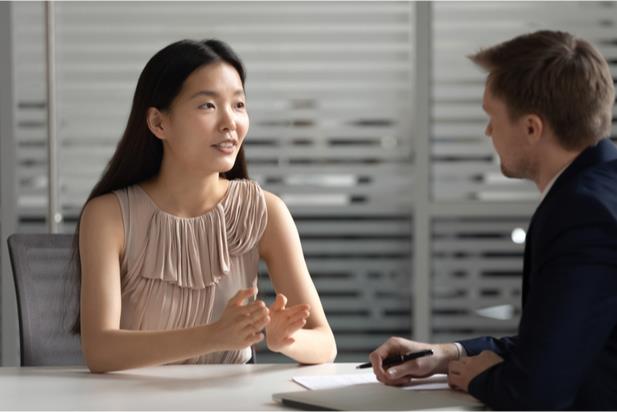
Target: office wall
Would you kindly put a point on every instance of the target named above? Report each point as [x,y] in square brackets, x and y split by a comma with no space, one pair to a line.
[365,119]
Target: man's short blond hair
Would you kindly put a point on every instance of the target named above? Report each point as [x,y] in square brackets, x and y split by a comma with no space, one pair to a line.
[563,79]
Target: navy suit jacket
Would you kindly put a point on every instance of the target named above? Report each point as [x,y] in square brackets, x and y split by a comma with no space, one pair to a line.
[565,353]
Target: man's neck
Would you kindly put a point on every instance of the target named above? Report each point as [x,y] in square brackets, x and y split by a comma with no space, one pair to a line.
[552,159]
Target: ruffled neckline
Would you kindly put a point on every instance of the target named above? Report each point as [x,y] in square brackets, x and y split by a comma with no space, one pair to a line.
[208,213]
[195,252]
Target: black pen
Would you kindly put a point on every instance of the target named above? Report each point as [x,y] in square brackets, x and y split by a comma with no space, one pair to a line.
[398,359]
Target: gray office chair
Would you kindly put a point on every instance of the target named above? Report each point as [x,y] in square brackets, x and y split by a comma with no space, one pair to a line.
[47,299]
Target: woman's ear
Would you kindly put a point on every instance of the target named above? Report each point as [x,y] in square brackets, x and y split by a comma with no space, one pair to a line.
[155,120]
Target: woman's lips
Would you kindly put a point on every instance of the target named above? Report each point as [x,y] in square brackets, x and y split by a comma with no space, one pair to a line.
[225,147]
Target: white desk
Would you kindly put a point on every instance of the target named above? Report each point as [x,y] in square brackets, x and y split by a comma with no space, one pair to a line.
[185,387]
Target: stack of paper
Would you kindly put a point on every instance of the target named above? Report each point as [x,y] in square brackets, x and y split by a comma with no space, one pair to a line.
[434,382]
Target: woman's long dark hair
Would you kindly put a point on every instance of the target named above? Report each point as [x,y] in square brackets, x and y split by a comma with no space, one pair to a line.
[139,153]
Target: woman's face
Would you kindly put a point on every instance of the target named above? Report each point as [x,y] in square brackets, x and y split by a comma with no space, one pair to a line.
[207,122]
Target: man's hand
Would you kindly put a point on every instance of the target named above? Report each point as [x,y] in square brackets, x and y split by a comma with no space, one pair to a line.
[418,368]
[461,372]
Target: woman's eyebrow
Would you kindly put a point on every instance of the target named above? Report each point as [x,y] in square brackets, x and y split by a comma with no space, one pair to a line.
[207,93]
[210,93]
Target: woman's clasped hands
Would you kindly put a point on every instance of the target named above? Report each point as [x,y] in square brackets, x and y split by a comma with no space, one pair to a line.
[243,322]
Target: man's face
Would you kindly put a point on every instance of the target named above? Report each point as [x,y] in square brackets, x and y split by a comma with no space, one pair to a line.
[508,137]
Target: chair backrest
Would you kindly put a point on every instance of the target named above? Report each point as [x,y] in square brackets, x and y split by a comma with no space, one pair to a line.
[47,299]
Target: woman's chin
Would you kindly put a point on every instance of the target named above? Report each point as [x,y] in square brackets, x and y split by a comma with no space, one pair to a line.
[226,167]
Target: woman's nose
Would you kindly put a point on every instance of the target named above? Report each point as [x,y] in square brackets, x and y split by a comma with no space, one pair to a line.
[227,121]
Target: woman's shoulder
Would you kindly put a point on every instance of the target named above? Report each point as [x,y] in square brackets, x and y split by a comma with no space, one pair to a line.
[243,185]
[243,192]
[248,195]
[101,221]
[250,188]
[102,211]
[245,214]
[273,201]
[105,207]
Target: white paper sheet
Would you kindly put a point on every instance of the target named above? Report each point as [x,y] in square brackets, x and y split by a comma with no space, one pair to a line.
[434,382]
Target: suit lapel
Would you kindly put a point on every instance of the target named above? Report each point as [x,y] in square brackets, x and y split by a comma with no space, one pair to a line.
[527,261]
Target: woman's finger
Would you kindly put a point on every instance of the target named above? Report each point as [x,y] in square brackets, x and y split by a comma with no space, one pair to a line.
[247,317]
[240,296]
[291,328]
[299,307]
[256,309]
[295,325]
[256,326]
[279,302]
[255,338]
[257,317]
[297,317]
[292,317]
[262,323]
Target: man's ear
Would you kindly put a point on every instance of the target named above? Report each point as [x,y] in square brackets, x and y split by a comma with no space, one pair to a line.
[155,120]
[534,128]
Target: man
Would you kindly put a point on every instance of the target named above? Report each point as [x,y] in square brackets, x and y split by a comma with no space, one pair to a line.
[549,98]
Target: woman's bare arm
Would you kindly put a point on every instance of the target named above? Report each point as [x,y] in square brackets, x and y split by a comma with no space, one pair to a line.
[281,250]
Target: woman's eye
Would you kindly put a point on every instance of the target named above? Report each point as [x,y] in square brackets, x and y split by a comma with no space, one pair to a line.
[241,105]
[207,106]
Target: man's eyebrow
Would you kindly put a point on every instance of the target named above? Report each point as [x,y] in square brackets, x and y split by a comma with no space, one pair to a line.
[210,93]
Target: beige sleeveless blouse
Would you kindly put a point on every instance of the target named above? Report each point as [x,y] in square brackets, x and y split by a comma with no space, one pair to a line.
[180,272]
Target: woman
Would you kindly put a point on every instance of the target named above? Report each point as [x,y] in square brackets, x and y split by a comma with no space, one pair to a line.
[170,237]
